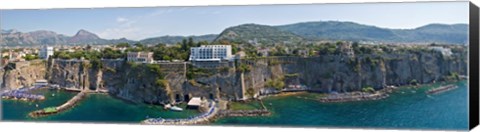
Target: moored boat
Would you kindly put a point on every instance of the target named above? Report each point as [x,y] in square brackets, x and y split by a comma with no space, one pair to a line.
[175,108]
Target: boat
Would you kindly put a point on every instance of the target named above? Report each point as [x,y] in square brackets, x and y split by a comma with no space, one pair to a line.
[168,106]
[175,108]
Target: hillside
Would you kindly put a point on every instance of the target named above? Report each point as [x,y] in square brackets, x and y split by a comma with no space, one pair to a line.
[260,33]
[175,39]
[334,30]
[44,37]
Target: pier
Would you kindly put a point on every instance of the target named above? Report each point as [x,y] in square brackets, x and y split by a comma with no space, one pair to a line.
[200,119]
[442,89]
[355,96]
[244,113]
[53,110]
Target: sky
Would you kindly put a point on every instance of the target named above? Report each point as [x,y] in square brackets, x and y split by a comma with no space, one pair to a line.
[141,23]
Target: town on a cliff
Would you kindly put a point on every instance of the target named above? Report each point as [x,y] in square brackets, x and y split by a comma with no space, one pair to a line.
[217,77]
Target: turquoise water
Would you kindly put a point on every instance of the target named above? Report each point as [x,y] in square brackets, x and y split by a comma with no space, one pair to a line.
[408,108]
[95,108]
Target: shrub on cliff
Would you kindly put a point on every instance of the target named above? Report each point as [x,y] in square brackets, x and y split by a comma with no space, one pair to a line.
[96,63]
[413,82]
[244,68]
[368,90]
[275,83]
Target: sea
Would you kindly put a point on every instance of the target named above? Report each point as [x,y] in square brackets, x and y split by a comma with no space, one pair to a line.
[406,108]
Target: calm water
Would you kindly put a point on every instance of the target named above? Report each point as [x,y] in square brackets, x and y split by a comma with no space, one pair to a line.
[95,108]
[406,108]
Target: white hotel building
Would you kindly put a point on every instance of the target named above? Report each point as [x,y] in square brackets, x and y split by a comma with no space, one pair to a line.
[45,52]
[211,53]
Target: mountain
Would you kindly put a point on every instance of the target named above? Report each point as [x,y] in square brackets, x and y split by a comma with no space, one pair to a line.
[41,37]
[175,39]
[334,30]
[252,33]
[15,38]
[259,33]
[85,37]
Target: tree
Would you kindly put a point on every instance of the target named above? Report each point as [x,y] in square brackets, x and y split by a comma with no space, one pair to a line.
[184,45]
[29,57]
[122,45]
[190,42]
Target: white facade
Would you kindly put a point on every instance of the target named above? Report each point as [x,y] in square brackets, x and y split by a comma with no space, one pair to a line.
[45,52]
[444,51]
[211,53]
[141,57]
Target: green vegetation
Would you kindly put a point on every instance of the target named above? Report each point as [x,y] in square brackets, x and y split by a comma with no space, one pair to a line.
[96,63]
[292,75]
[50,109]
[250,92]
[30,57]
[368,90]
[244,68]
[414,82]
[161,82]
[278,83]
[193,72]
[452,77]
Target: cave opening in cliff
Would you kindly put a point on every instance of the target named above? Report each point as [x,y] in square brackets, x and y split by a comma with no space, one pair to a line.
[211,96]
[92,88]
[186,97]
[177,97]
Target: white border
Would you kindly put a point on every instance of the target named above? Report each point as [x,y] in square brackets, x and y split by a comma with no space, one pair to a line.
[74,127]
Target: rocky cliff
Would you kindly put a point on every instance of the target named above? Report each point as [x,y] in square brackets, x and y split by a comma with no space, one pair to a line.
[344,73]
[173,82]
[21,74]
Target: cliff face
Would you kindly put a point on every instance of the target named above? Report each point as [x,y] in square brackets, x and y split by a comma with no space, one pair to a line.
[342,73]
[169,83]
[20,74]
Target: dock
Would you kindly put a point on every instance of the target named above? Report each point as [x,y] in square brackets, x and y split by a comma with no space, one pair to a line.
[199,119]
[354,96]
[442,89]
[67,105]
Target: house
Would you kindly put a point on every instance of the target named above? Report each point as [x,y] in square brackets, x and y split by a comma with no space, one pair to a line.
[444,51]
[263,52]
[194,103]
[303,53]
[140,57]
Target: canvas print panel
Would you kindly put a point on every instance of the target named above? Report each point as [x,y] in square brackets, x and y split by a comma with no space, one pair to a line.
[369,65]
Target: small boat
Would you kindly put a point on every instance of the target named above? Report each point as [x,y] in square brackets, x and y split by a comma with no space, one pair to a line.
[168,106]
[175,108]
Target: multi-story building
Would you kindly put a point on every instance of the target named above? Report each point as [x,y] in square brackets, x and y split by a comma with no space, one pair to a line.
[141,57]
[45,52]
[211,53]
[444,51]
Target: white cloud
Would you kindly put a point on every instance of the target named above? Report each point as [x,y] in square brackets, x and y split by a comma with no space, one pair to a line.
[121,19]
[123,28]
